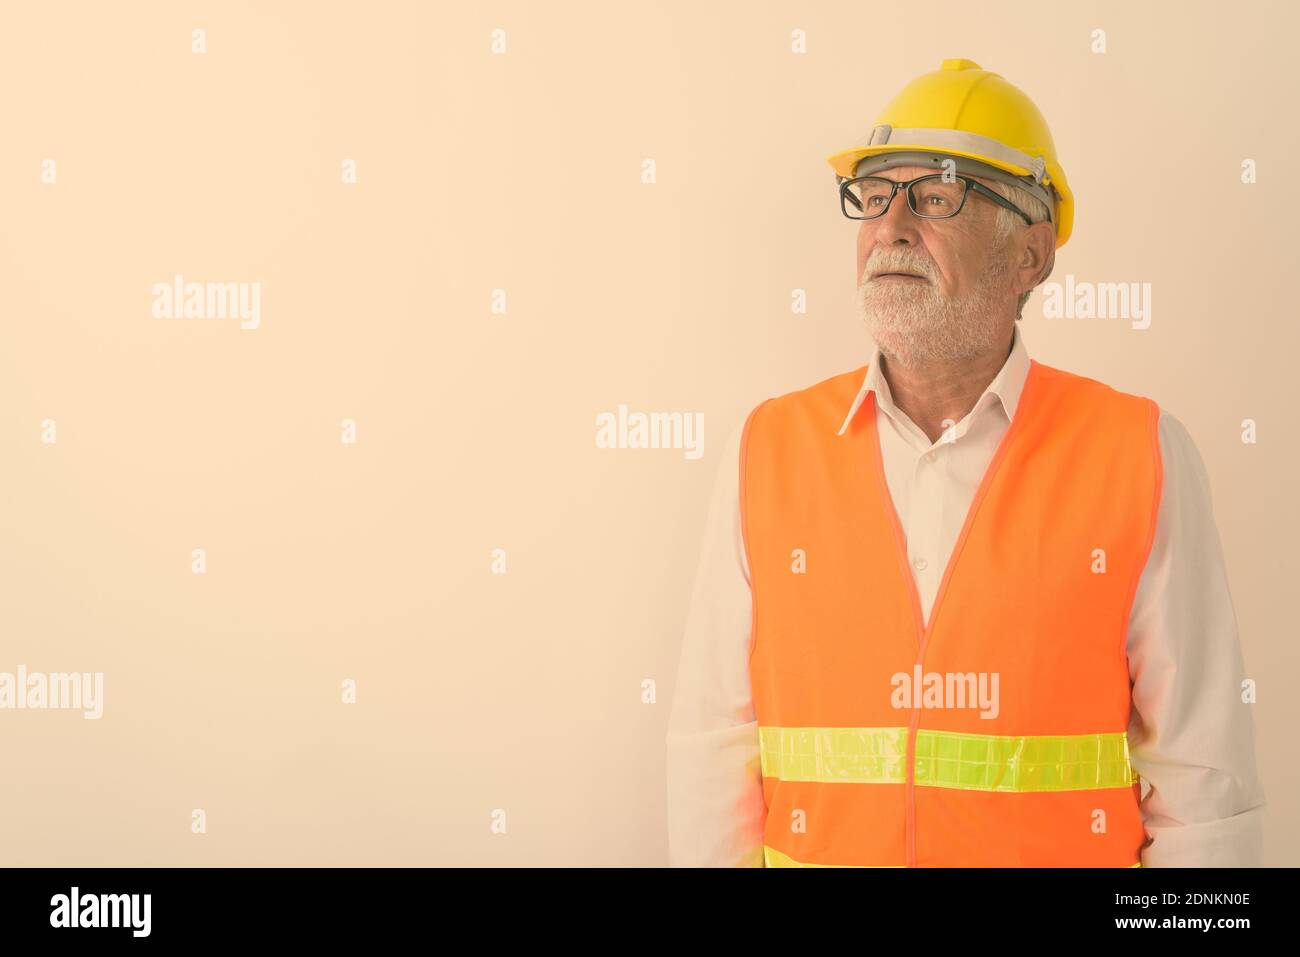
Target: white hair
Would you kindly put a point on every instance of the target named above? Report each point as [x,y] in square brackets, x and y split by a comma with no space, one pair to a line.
[1006,220]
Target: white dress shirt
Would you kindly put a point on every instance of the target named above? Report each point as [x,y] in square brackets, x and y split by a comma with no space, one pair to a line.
[1191,737]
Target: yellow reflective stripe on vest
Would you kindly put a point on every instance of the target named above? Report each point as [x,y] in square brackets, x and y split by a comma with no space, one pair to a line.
[774,858]
[947,759]
[849,755]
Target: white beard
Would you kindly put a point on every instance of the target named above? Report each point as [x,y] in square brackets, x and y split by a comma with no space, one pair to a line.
[913,324]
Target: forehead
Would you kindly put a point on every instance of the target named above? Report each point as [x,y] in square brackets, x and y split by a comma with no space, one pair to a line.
[901,173]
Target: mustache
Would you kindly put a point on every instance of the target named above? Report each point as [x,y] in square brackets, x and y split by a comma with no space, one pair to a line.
[917,266]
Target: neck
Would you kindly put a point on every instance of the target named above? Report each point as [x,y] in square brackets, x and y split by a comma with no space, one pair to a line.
[931,392]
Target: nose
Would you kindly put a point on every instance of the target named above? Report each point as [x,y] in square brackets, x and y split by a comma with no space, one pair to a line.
[897,225]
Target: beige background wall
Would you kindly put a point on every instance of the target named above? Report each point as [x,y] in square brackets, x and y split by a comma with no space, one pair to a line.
[520,171]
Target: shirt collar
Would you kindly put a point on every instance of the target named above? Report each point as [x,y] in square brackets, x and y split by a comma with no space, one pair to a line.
[1006,385]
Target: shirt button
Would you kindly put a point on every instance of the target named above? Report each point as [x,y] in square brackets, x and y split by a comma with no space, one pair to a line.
[919,563]
[929,456]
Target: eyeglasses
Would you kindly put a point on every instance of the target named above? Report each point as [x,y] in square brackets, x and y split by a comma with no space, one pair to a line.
[933,196]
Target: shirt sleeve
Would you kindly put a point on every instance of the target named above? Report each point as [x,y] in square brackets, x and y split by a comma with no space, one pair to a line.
[716,809]
[1191,736]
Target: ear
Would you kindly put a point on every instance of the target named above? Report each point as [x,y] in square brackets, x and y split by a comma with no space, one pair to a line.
[1037,256]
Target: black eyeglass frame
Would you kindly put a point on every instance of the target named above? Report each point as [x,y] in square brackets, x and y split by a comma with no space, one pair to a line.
[969,183]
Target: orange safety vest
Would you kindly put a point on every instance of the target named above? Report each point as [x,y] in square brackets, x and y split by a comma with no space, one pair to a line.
[1037,591]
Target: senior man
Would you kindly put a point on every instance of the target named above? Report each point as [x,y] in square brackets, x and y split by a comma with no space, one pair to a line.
[955,606]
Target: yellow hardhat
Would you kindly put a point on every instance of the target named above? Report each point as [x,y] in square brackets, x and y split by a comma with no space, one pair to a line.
[961,110]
